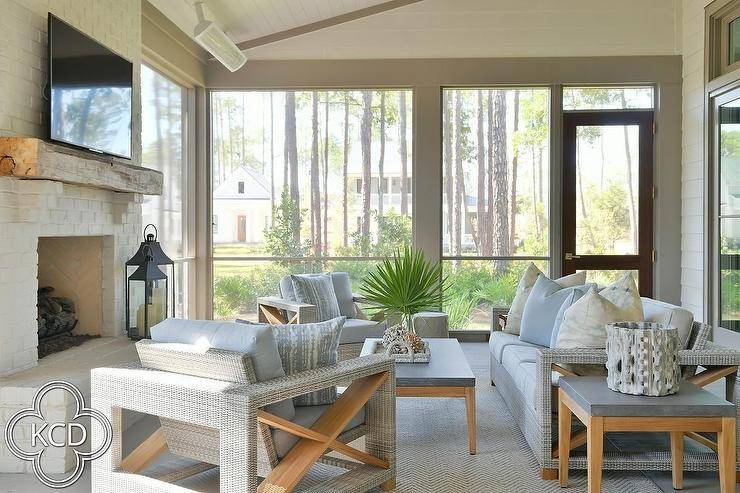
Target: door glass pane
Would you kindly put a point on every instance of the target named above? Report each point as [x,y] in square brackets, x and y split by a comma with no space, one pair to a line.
[729,263]
[734,41]
[606,277]
[607,175]
[729,158]
[607,98]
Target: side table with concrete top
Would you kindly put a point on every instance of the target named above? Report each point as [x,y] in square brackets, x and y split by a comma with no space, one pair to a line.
[602,410]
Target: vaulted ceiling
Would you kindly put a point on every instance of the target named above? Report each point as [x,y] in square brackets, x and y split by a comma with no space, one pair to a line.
[356,29]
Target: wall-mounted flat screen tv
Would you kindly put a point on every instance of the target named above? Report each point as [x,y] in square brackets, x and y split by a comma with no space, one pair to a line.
[90,90]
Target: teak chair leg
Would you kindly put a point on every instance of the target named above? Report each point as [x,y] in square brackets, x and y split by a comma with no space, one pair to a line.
[144,454]
[314,442]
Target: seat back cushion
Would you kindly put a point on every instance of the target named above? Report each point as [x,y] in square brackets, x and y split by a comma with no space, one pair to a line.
[670,316]
[306,347]
[317,290]
[259,342]
[343,293]
[541,310]
[529,277]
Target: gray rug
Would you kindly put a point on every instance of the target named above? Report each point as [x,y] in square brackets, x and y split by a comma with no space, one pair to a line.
[433,453]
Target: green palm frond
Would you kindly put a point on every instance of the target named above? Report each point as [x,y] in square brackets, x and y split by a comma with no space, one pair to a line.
[406,284]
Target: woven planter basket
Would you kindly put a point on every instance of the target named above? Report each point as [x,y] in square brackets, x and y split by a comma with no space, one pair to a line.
[642,358]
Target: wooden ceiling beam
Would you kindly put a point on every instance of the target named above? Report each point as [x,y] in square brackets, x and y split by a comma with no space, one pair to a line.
[324,23]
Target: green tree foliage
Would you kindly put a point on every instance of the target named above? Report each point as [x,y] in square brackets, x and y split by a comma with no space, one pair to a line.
[607,220]
[279,238]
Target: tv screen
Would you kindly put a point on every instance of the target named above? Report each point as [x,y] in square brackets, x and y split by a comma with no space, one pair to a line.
[90,92]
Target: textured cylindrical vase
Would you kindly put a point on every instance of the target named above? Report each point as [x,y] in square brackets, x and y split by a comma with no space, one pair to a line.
[642,358]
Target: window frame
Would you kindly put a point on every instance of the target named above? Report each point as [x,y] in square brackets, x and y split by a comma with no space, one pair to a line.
[212,259]
[187,261]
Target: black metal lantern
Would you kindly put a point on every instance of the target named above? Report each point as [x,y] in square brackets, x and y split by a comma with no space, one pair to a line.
[148,297]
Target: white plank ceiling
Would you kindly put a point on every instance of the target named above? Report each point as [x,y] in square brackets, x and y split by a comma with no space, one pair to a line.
[249,19]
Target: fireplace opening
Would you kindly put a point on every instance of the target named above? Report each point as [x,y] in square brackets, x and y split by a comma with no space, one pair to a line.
[70,290]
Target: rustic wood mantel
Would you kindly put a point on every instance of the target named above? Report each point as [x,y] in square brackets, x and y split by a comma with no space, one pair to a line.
[31,158]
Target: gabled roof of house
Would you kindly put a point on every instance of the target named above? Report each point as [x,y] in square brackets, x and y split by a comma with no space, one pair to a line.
[255,186]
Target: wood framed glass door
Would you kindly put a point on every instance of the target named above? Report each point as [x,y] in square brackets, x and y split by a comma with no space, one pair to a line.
[607,196]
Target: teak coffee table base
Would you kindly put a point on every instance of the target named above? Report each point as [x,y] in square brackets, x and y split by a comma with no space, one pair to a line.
[467,393]
[596,426]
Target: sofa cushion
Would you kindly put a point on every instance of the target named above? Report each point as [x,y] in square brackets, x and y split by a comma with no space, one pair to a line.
[624,294]
[529,277]
[574,296]
[670,316]
[342,290]
[306,416]
[542,308]
[258,342]
[356,330]
[306,347]
[501,340]
[317,290]
[515,355]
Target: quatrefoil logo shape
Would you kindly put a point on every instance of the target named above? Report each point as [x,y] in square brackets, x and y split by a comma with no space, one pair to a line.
[42,432]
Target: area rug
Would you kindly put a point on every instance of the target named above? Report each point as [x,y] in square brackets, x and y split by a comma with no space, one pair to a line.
[433,453]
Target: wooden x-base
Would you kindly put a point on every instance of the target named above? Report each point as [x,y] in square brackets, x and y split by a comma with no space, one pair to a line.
[313,443]
[322,436]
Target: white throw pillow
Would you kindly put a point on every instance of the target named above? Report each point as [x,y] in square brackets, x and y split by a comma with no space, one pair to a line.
[529,277]
[584,323]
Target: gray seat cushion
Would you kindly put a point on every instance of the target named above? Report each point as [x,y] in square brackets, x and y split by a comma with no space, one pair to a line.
[257,341]
[520,362]
[306,416]
[500,340]
[342,290]
[670,316]
[356,330]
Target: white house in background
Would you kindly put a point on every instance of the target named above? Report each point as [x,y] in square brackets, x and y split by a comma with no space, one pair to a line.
[241,208]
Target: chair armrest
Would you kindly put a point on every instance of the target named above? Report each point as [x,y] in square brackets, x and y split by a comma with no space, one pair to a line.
[278,389]
[712,355]
[269,307]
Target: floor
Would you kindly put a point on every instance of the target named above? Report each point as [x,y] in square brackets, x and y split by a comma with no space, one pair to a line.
[477,354]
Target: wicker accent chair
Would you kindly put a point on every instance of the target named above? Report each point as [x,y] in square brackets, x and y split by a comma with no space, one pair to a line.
[284,309]
[535,410]
[210,409]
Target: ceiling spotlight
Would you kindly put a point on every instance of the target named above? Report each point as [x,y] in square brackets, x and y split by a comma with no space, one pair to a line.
[214,40]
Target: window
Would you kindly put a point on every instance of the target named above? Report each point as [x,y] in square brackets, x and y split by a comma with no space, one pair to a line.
[607,98]
[311,162]
[164,137]
[496,175]
[241,188]
[728,219]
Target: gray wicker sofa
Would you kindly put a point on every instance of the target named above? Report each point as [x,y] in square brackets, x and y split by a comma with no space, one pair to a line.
[526,377]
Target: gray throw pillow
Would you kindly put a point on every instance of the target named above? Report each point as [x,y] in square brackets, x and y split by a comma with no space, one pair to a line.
[574,296]
[306,347]
[317,290]
[257,341]
[541,309]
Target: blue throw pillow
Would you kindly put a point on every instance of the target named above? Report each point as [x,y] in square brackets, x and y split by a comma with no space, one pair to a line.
[541,310]
[574,296]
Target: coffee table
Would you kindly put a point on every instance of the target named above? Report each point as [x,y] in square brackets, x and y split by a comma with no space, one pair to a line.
[602,410]
[446,375]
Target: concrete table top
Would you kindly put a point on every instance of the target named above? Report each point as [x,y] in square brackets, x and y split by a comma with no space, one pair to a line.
[594,397]
[447,366]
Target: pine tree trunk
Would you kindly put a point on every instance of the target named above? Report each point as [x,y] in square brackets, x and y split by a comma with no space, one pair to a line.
[630,188]
[286,153]
[403,151]
[514,172]
[501,183]
[315,179]
[345,163]
[480,209]
[490,228]
[291,156]
[366,134]
[459,178]
[448,175]
[381,159]
[537,224]
[325,226]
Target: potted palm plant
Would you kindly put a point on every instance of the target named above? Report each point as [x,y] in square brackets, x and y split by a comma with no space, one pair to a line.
[399,287]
